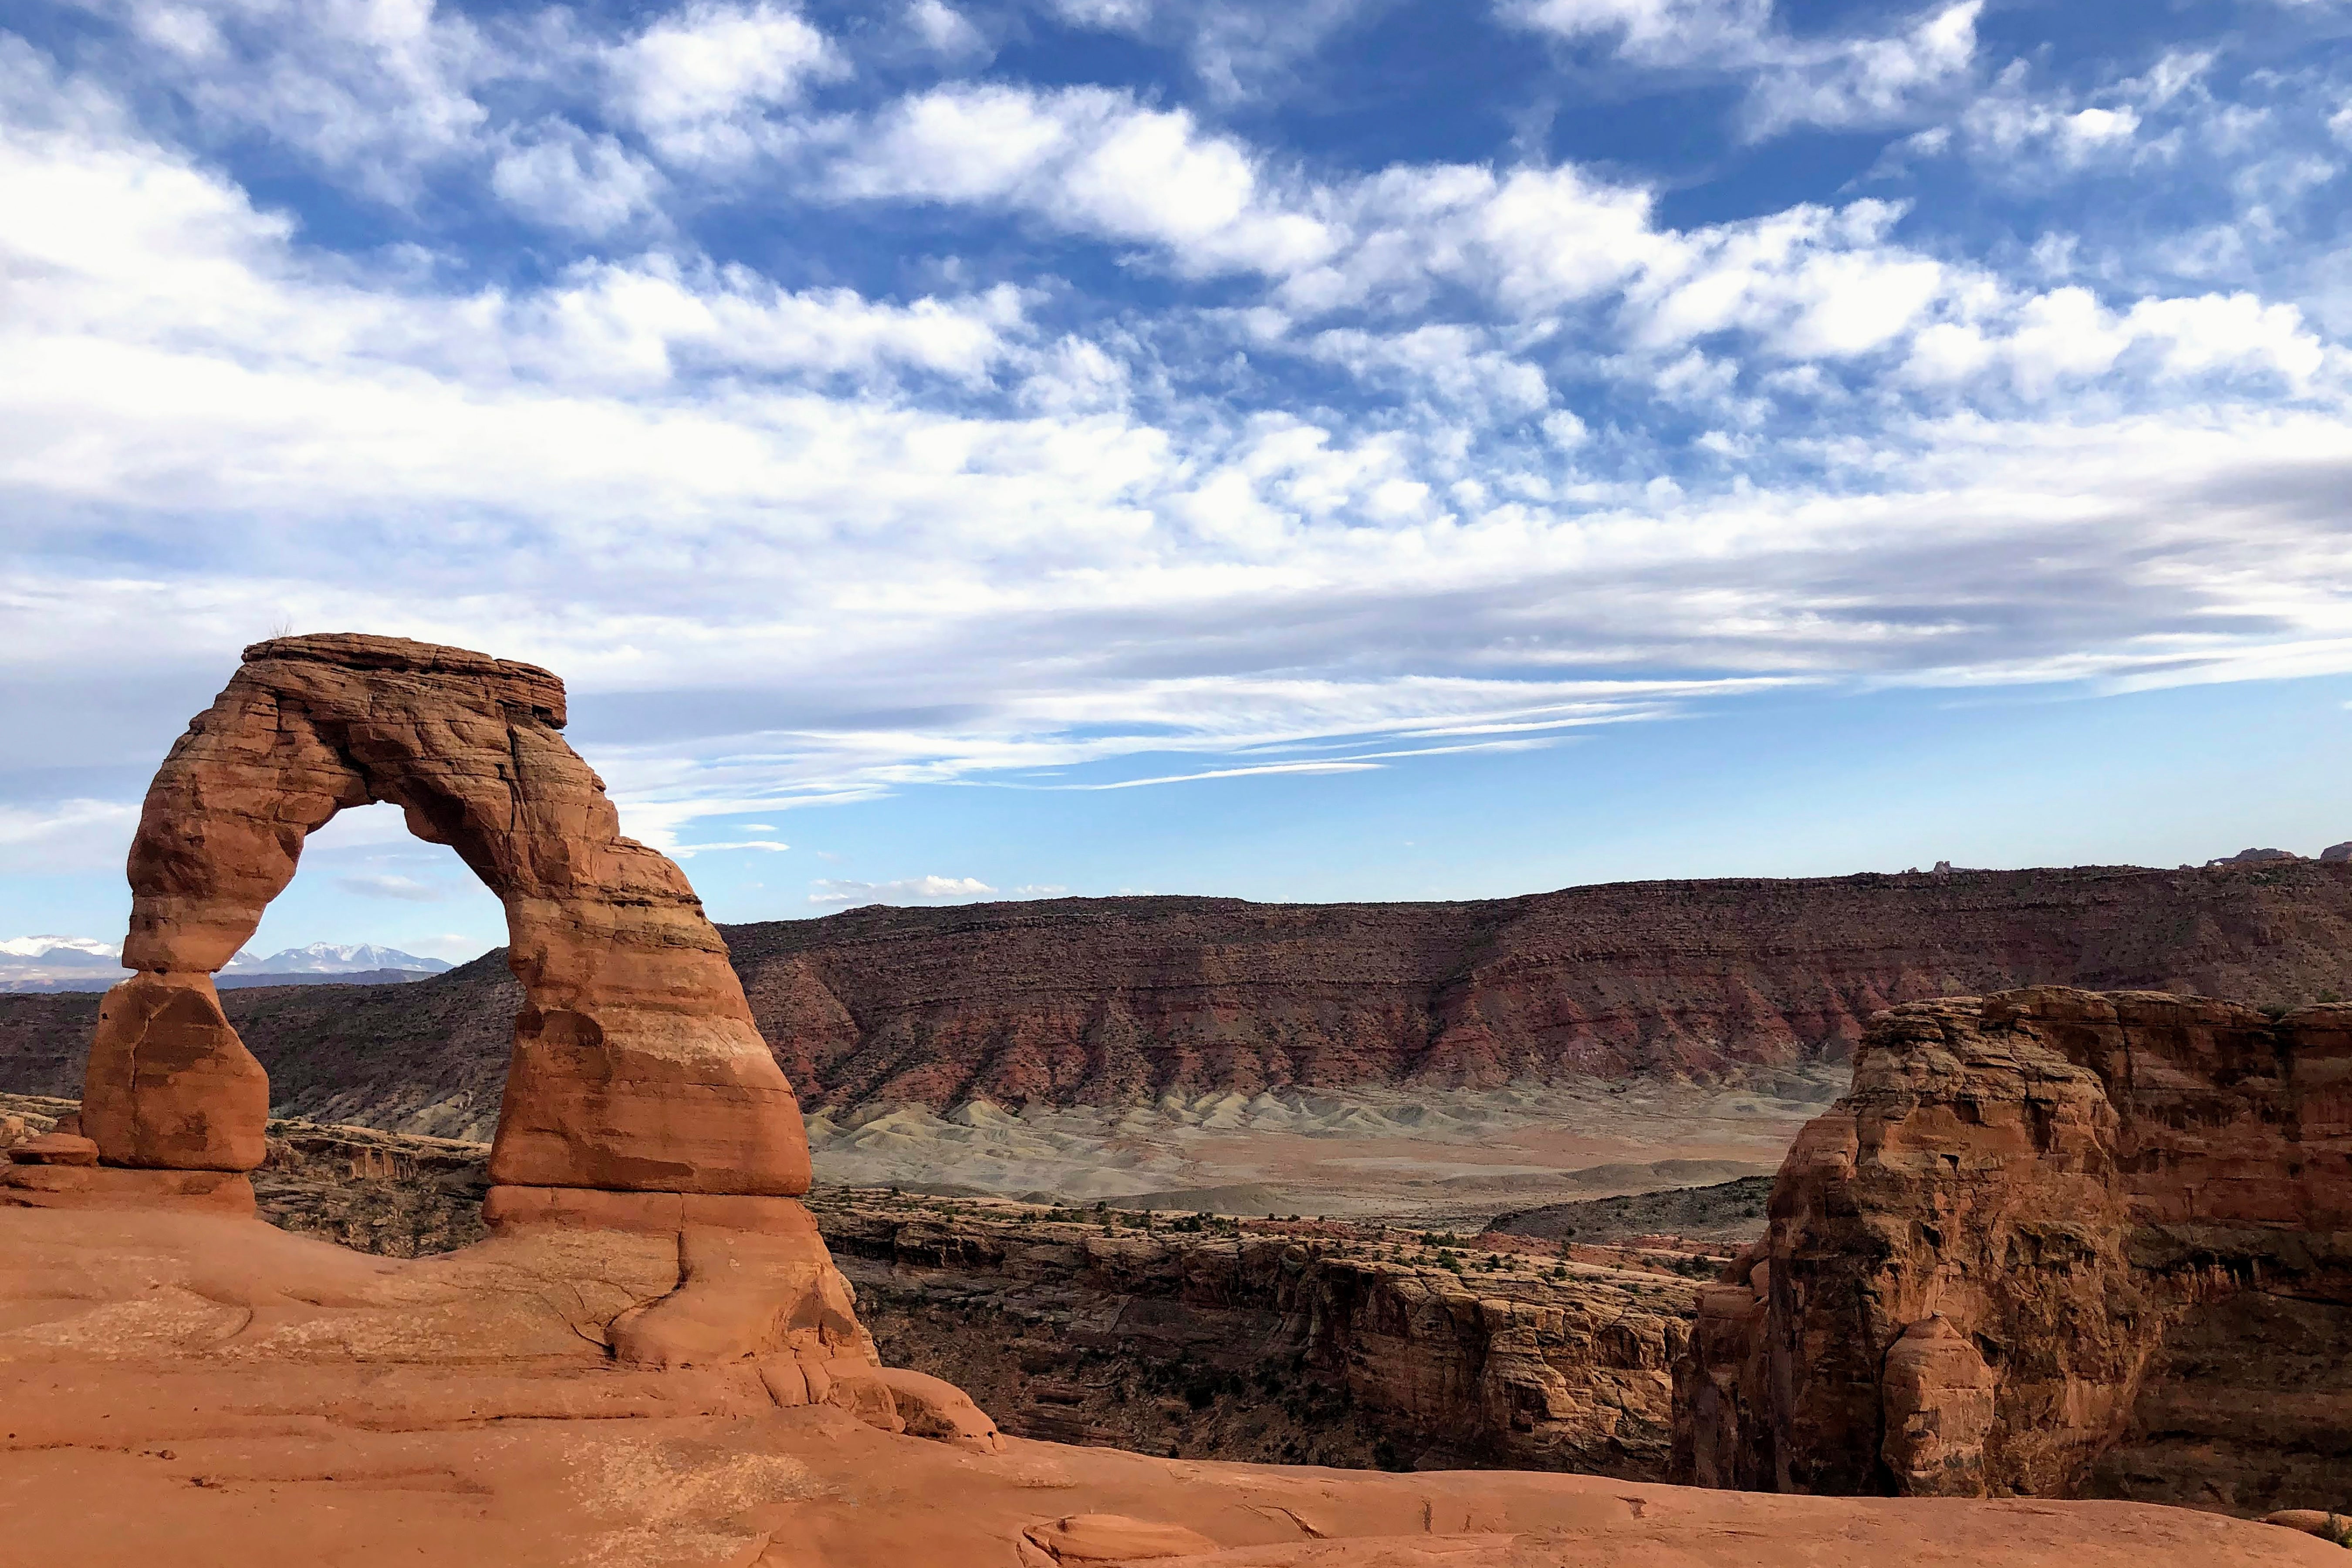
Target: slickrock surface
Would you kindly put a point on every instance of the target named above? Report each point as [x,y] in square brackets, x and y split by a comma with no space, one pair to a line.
[1115,1001]
[2052,1243]
[213,1393]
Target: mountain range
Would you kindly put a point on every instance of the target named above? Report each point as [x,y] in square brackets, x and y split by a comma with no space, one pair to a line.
[85,964]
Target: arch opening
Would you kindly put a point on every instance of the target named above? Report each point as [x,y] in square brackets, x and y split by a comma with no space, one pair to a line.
[366,881]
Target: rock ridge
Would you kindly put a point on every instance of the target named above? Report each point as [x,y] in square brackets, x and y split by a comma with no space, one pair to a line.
[1116,1001]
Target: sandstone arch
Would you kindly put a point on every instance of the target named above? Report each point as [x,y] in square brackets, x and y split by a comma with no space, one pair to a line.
[636,1066]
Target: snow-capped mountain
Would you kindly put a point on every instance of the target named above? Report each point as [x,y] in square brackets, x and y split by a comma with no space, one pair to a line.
[333,957]
[54,963]
[64,947]
[85,964]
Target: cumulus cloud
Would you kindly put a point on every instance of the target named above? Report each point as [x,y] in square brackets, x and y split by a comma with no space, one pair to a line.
[1088,158]
[1237,49]
[1836,81]
[698,80]
[1242,464]
[567,179]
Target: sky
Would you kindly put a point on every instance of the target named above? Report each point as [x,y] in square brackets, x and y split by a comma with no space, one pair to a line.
[1331,449]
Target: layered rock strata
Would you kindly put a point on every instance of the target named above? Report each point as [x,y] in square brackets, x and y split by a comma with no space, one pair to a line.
[1108,1001]
[2053,1243]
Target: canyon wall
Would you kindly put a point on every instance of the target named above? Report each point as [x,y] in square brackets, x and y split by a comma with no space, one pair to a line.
[2057,1244]
[1327,1346]
[1112,1000]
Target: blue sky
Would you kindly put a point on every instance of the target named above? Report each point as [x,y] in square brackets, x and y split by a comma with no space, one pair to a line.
[1335,449]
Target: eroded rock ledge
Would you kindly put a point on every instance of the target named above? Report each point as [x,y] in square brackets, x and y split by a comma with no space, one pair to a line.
[2053,1243]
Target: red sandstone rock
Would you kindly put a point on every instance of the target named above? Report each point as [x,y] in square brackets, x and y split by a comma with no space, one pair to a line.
[54,1149]
[215,1393]
[1114,1538]
[224,1192]
[2054,1242]
[635,1064]
[1939,1406]
[2322,1523]
[169,1085]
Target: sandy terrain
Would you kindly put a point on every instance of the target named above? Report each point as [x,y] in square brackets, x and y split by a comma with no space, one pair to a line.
[1428,1157]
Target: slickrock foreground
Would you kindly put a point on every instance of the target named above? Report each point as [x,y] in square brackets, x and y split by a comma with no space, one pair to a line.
[210,1392]
[2052,1243]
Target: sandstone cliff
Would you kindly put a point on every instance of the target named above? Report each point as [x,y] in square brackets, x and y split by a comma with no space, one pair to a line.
[1110,1000]
[2052,1243]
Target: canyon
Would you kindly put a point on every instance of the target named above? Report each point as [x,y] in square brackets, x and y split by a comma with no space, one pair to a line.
[1123,1001]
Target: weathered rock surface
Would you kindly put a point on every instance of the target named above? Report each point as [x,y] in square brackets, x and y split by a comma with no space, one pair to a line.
[1108,1001]
[169,1085]
[2053,1243]
[210,1393]
[635,1064]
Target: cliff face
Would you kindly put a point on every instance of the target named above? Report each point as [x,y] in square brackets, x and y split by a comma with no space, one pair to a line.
[1112,1000]
[2052,1243]
[1520,1366]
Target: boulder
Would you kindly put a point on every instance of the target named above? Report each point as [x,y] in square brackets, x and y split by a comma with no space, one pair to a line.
[54,1149]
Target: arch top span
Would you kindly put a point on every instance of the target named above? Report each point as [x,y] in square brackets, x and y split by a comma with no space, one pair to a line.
[636,1064]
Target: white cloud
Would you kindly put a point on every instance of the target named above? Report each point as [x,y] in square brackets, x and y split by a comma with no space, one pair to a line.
[1089,159]
[1654,32]
[2068,335]
[378,92]
[1811,280]
[846,545]
[944,30]
[560,176]
[686,851]
[906,890]
[1867,81]
[1838,80]
[694,79]
[408,889]
[65,835]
